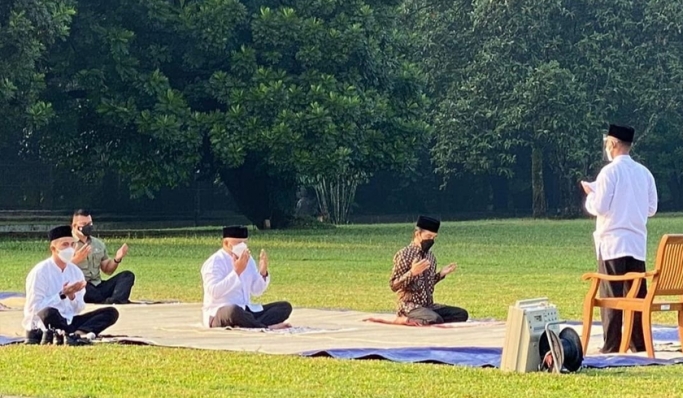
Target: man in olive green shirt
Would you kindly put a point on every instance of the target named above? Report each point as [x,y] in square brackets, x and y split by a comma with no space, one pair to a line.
[91,257]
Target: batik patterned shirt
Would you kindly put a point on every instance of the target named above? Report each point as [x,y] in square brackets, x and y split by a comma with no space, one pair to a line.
[413,291]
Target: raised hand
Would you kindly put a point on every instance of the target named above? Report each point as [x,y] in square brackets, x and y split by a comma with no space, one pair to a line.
[419,266]
[81,254]
[449,269]
[263,263]
[242,261]
[121,253]
[70,290]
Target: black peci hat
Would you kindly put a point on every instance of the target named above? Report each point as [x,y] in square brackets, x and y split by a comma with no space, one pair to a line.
[235,231]
[63,231]
[622,133]
[428,224]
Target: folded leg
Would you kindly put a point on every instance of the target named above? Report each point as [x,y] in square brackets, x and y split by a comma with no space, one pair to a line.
[235,316]
[274,313]
[95,321]
[424,316]
[451,313]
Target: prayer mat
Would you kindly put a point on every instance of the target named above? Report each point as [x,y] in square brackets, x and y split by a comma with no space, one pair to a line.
[11,301]
[339,334]
[149,302]
[402,321]
[290,330]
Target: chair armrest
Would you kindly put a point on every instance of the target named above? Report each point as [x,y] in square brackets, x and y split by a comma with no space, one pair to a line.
[618,278]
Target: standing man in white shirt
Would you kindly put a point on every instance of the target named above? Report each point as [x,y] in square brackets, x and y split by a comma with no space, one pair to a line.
[54,297]
[622,198]
[230,277]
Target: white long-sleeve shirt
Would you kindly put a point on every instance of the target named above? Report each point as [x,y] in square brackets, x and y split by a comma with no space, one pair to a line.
[43,285]
[222,285]
[624,196]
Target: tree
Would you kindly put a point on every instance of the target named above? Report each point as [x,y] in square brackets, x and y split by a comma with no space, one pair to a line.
[660,142]
[254,94]
[27,30]
[543,80]
[511,93]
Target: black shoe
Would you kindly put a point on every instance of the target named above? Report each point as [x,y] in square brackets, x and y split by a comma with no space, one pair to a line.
[76,340]
[48,336]
[59,337]
[33,336]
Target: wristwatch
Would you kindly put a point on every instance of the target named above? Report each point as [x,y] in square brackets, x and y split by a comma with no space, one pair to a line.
[117,261]
[62,296]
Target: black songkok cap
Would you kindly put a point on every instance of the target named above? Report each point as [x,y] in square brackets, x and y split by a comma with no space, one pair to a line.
[622,133]
[235,231]
[63,231]
[428,224]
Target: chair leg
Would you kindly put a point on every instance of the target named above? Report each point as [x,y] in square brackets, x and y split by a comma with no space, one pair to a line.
[647,333]
[587,324]
[680,326]
[588,302]
[627,330]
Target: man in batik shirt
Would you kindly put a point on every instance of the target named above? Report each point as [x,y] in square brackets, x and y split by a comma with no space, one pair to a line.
[414,276]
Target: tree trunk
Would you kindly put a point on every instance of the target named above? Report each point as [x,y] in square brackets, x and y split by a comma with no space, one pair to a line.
[260,196]
[539,206]
[336,196]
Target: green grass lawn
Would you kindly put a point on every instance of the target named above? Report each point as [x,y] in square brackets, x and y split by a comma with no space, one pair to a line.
[500,262]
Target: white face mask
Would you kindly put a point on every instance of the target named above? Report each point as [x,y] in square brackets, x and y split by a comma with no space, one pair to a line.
[239,248]
[67,254]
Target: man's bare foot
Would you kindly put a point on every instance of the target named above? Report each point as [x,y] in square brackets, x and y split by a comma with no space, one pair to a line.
[282,325]
[404,320]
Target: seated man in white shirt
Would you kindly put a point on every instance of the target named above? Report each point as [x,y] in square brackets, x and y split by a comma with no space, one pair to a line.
[54,298]
[230,278]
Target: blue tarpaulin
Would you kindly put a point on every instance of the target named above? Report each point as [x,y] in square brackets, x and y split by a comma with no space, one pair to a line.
[4,340]
[490,357]
[5,295]
[465,356]
[474,356]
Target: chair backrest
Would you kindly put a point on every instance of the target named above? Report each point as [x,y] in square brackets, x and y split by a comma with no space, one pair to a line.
[669,267]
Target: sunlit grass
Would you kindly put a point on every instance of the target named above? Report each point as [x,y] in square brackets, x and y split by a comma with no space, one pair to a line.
[500,261]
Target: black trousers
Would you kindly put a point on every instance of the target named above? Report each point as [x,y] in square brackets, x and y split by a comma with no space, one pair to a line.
[235,316]
[95,321]
[612,319]
[115,290]
[438,314]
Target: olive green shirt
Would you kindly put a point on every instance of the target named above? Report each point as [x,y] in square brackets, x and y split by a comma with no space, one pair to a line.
[91,265]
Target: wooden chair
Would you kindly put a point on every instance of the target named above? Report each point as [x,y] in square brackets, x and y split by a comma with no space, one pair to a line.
[667,280]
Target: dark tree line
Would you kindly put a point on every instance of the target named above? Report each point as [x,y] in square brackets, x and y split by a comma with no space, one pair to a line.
[376,106]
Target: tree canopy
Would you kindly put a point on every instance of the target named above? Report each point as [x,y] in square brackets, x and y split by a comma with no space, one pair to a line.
[28,29]
[543,79]
[257,94]
[508,98]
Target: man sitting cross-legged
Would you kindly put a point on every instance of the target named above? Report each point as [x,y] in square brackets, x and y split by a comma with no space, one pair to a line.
[230,278]
[414,276]
[54,297]
[92,258]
